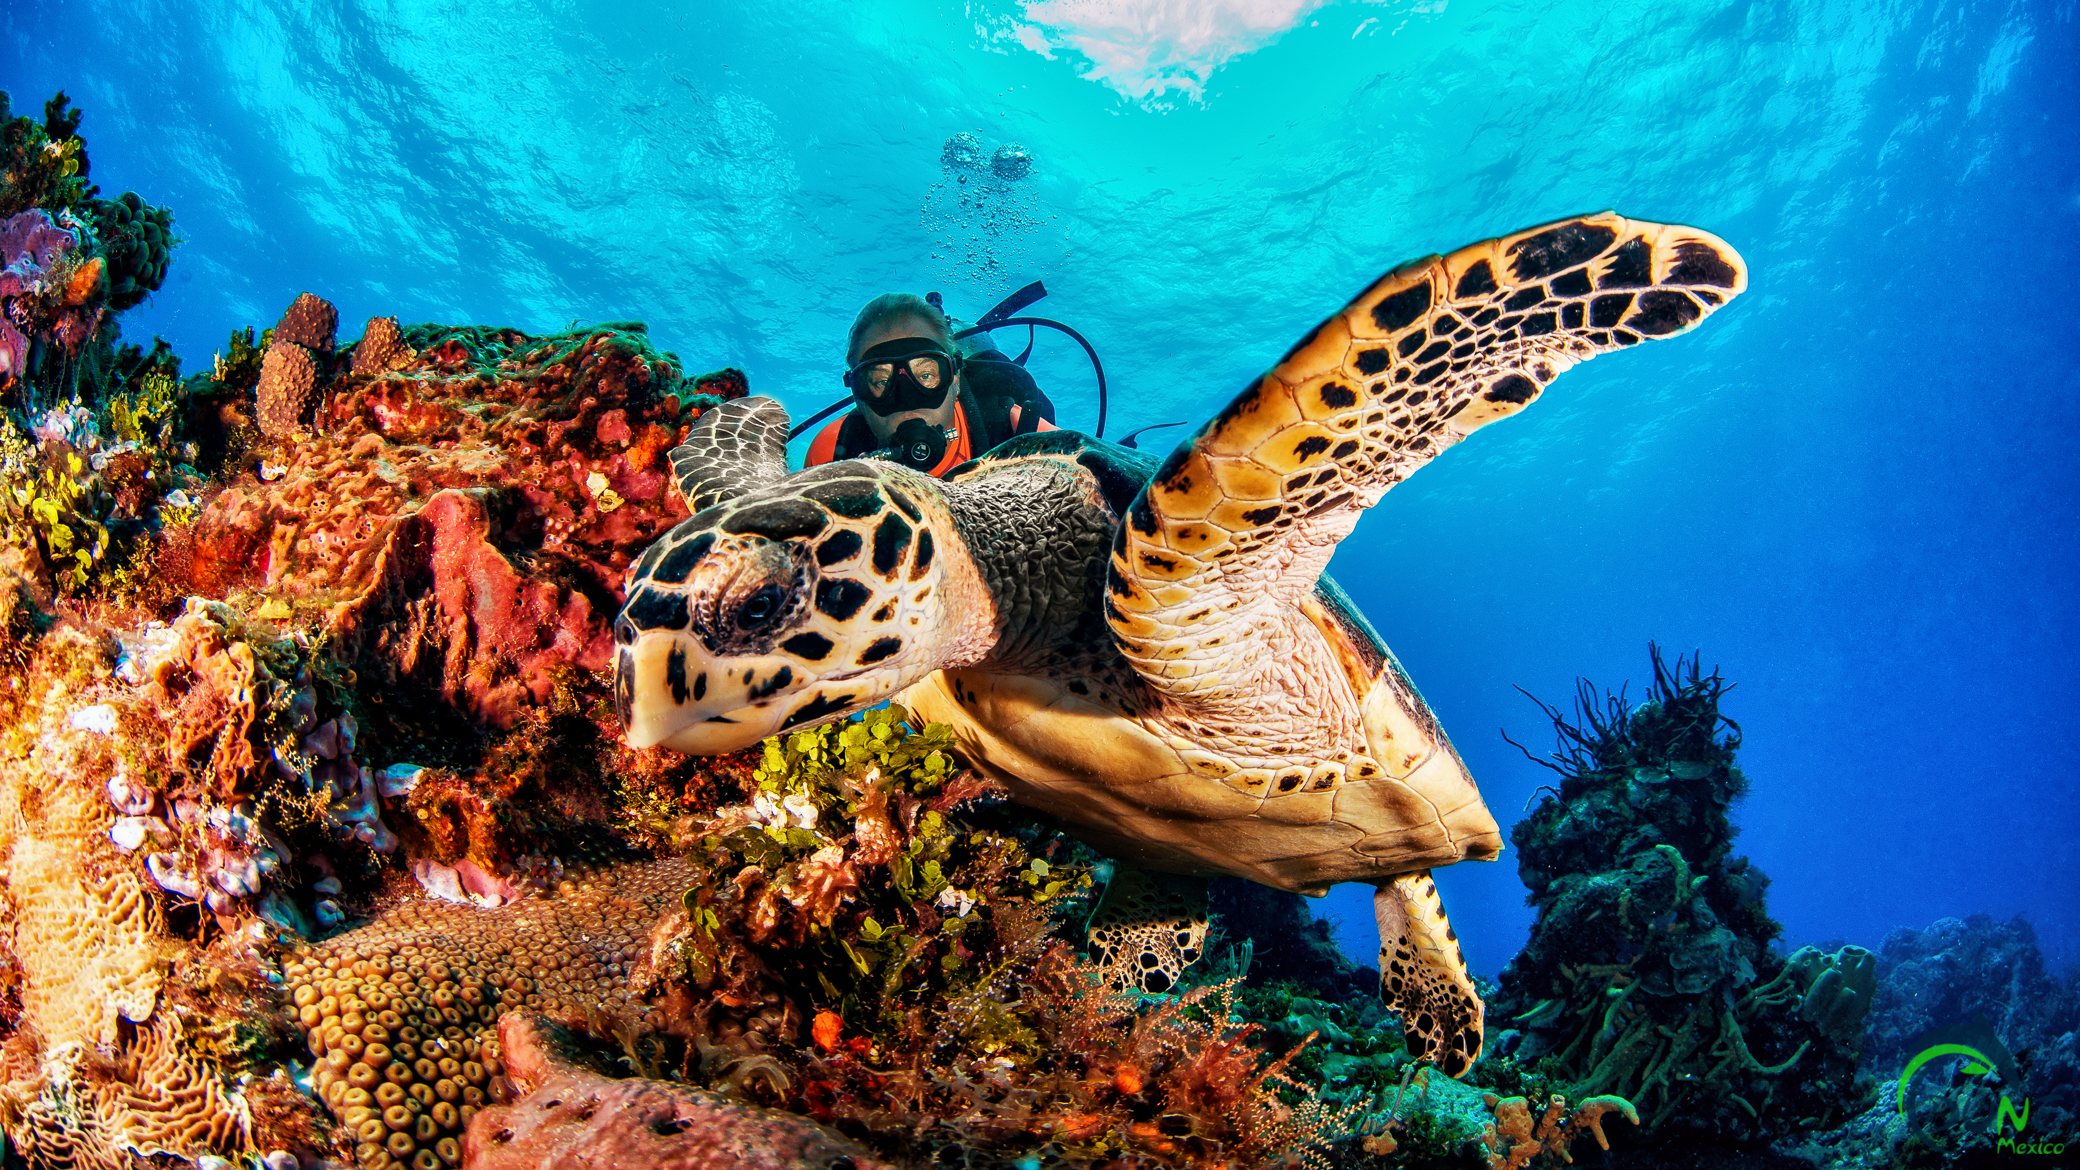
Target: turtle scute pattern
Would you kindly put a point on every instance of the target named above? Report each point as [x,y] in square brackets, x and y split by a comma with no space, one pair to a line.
[737,447]
[1148,928]
[1432,351]
[401,1013]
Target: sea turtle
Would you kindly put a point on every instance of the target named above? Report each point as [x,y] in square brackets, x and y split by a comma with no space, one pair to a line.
[1151,654]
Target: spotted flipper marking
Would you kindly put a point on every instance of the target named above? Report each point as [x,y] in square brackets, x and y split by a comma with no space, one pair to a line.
[1422,975]
[1148,928]
[735,448]
[1239,522]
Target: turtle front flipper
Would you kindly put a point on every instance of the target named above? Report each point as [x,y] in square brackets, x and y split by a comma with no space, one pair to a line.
[1422,975]
[1148,927]
[1240,521]
[735,448]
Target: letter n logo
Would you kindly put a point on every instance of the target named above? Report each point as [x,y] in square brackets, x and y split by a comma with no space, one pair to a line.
[2008,1115]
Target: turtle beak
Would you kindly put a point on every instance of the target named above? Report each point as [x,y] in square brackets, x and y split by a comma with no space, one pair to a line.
[670,693]
[654,691]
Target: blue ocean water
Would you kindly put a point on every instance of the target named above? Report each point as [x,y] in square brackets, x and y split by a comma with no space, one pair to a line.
[1854,490]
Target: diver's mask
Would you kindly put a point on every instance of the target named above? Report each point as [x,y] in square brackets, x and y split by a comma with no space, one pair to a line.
[909,373]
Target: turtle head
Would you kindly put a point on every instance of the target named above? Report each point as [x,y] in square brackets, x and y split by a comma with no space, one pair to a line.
[791,605]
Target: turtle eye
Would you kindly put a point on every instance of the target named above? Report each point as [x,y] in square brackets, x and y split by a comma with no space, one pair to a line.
[760,608]
[624,631]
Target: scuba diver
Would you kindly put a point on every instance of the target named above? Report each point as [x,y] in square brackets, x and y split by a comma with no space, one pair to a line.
[921,396]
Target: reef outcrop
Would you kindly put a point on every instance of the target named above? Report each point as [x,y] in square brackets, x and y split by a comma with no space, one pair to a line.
[1649,972]
[68,258]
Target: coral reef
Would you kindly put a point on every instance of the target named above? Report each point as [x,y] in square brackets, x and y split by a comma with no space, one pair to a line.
[309,771]
[49,285]
[67,258]
[1956,969]
[42,164]
[319,843]
[402,518]
[1649,972]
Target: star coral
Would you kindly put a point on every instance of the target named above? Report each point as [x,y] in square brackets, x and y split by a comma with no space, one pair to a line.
[400,1012]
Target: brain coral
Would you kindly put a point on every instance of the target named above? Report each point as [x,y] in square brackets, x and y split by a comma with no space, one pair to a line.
[401,1012]
[74,918]
[79,1085]
[85,944]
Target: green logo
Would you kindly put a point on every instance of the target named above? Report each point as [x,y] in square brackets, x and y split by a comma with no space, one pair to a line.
[1983,1053]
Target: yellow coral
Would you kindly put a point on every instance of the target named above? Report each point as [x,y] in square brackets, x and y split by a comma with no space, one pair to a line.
[1513,1140]
[155,1099]
[84,943]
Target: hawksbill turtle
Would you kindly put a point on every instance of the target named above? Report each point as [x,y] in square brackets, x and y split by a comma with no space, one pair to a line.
[1151,653]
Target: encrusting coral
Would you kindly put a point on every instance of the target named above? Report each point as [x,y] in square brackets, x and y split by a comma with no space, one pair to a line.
[396,523]
[568,1115]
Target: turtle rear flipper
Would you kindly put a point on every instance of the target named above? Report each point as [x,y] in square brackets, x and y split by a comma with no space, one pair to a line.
[1148,927]
[1422,975]
[735,448]
[1239,522]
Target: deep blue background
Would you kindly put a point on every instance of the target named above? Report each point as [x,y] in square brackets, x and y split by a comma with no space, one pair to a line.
[1854,489]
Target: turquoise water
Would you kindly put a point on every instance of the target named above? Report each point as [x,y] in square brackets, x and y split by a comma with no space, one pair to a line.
[1854,489]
